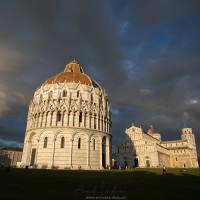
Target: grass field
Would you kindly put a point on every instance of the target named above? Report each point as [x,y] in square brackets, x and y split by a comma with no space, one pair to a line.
[113,184]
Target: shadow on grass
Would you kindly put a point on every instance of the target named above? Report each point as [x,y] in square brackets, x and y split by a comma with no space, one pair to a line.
[113,184]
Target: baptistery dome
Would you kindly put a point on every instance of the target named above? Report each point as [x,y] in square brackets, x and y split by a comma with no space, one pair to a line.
[73,73]
[69,123]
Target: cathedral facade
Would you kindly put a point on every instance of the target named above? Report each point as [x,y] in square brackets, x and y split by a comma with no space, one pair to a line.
[69,123]
[148,150]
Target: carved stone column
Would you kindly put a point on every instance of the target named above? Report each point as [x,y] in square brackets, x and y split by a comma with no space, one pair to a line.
[88,154]
[54,118]
[100,154]
[71,152]
[42,120]
[97,122]
[45,118]
[84,119]
[53,152]
[108,150]
[39,121]
[28,155]
[88,120]
[66,118]
[71,118]
[106,127]
[92,121]
[36,151]
[103,124]
[62,118]
[76,119]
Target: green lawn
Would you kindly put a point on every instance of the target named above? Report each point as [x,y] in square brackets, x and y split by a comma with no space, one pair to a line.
[114,184]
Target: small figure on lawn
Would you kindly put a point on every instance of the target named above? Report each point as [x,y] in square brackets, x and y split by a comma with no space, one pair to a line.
[164,169]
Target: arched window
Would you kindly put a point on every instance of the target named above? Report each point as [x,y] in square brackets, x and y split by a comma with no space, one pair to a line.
[94,147]
[79,143]
[62,144]
[91,97]
[78,93]
[64,93]
[59,116]
[95,125]
[80,117]
[45,142]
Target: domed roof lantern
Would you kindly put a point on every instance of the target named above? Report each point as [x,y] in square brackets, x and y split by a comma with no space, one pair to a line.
[151,130]
[74,67]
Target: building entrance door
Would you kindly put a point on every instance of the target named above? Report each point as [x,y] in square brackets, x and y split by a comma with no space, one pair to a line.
[136,162]
[33,157]
[125,163]
[147,163]
[103,160]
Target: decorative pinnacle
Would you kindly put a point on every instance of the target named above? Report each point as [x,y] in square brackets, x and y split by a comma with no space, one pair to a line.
[74,61]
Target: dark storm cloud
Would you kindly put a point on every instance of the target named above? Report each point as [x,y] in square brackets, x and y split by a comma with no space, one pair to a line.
[144,53]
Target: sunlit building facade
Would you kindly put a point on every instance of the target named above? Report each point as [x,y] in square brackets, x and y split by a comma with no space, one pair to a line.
[10,156]
[148,150]
[69,123]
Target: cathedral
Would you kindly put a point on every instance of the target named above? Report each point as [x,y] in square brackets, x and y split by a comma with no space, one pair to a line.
[69,123]
[148,150]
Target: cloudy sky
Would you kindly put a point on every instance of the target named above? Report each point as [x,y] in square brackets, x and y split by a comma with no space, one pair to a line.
[146,54]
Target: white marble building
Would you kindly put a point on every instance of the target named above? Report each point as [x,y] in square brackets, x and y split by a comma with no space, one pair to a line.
[69,123]
[148,150]
[10,156]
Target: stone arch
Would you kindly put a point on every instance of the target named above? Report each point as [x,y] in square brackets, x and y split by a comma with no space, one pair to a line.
[74,134]
[45,149]
[61,151]
[94,141]
[81,135]
[58,136]
[39,135]
[105,150]
[90,136]
[79,152]
[31,136]
[31,148]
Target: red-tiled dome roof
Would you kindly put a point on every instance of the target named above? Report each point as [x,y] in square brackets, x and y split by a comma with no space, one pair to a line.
[73,73]
[151,130]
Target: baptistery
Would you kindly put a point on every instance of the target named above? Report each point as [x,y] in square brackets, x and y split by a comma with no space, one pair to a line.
[69,123]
